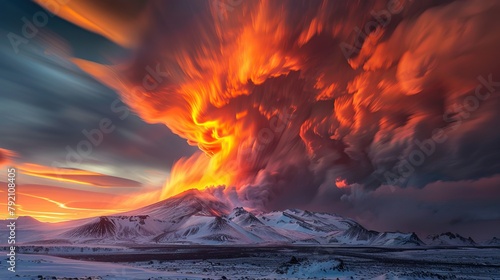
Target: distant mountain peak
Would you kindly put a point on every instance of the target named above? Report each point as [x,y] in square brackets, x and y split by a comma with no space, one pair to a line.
[238,211]
[495,241]
[28,220]
[242,217]
[450,239]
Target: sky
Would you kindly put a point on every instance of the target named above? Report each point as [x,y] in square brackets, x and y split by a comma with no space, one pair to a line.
[46,103]
[382,111]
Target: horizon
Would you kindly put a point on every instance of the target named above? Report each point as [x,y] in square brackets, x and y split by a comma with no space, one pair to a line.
[259,212]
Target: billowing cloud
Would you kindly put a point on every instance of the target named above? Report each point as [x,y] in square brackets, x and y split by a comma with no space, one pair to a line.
[287,98]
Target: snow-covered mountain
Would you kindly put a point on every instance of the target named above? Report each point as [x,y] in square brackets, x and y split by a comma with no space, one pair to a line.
[196,217]
[495,241]
[449,239]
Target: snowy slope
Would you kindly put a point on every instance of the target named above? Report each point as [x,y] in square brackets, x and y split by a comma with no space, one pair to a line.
[182,206]
[196,217]
[397,239]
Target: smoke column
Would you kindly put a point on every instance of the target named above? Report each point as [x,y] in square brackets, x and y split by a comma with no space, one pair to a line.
[288,98]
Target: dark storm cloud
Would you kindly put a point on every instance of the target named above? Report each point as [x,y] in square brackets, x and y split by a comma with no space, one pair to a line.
[471,208]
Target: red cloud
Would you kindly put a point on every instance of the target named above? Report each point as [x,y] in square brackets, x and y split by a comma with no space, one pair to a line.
[6,156]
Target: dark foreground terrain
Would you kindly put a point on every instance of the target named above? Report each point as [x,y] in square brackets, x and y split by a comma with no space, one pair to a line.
[236,262]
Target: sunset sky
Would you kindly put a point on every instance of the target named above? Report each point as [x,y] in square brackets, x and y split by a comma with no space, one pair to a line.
[46,102]
[382,111]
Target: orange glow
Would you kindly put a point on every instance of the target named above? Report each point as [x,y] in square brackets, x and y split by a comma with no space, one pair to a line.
[93,16]
[6,156]
[56,204]
[207,95]
[341,183]
[193,105]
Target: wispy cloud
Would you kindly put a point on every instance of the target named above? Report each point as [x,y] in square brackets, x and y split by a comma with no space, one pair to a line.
[77,176]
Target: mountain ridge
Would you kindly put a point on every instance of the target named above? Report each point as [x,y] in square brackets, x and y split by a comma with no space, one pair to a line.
[196,217]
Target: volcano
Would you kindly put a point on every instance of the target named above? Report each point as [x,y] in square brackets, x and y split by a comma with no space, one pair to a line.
[197,217]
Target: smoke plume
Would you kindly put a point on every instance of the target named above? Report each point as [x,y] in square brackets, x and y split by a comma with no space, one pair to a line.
[290,99]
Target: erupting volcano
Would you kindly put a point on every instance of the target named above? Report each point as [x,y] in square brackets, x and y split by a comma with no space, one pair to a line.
[285,132]
[283,108]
